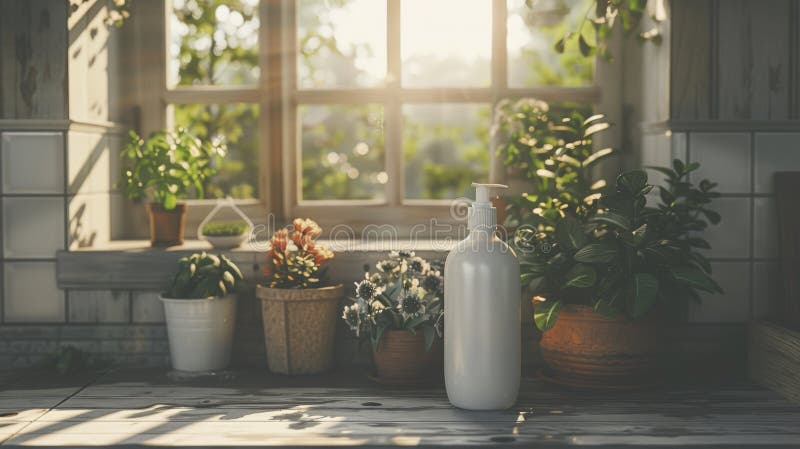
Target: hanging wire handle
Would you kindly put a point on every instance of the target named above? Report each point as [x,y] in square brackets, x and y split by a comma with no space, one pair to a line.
[226,202]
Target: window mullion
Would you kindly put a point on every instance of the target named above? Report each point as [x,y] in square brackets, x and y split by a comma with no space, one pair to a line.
[393,113]
[497,172]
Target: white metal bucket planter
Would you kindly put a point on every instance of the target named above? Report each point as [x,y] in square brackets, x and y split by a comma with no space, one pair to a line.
[227,241]
[200,332]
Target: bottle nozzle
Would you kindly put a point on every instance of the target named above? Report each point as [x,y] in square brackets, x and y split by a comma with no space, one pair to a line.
[482,191]
[481,214]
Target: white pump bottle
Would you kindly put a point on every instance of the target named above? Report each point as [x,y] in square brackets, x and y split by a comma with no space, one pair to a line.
[482,314]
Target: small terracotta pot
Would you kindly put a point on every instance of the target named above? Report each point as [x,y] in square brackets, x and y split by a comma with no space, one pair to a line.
[401,358]
[300,327]
[166,226]
[586,347]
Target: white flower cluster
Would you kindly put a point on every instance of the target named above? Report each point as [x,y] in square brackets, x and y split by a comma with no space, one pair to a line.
[405,292]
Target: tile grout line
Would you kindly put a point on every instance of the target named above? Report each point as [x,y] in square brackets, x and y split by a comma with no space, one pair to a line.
[752,267]
[53,407]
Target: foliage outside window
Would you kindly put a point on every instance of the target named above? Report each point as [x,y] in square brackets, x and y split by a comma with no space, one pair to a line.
[344,150]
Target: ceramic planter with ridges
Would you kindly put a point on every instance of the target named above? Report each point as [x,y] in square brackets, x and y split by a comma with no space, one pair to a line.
[588,347]
[200,332]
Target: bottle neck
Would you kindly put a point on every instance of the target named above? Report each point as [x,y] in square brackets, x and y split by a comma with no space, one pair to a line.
[483,217]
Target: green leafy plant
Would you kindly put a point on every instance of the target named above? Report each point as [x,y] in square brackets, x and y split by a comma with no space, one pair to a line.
[225,228]
[556,155]
[203,275]
[405,293]
[168,165]
[628,258]
[601,17]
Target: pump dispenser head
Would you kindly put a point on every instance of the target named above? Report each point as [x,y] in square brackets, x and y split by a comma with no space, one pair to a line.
[482,215]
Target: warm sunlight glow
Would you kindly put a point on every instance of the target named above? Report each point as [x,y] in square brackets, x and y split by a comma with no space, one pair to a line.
[452,37]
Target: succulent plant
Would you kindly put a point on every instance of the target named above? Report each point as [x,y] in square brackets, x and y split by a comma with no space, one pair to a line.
[203,275]
[224,228]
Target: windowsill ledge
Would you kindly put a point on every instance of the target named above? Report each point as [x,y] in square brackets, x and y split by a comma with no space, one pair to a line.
[135,265]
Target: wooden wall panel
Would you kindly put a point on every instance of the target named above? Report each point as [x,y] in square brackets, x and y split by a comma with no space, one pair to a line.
[753,60]
[33,54]
[690,77]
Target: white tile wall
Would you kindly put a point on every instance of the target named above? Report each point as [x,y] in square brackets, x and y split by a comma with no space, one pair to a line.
[679,141]
[33,162]
[33,226]
[766,288]
[724,158]
[31,294]
[99,306]
[730,238]
[765,232]
[734,304]
[147,308]
[775,152]
[89,220]
[89,167]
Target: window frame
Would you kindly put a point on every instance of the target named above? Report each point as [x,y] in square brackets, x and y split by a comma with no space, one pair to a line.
[396,209]
[279,99]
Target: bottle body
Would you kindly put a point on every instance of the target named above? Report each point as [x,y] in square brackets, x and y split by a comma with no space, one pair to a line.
[482,323]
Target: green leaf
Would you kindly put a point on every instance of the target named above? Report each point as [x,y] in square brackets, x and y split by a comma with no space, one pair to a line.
[645,293]
[569,232]
[429,333]
[170,201]
[633,181]
[597,156]
[609,306]
[695,278]
[599,252]
[698,243]
[613,218]
[581,276]
[585,48]
[559,45]
[546,314]
[595,128]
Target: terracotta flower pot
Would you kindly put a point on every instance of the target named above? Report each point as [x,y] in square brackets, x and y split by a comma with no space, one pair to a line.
[401,358]
[166,226]
[300,327]
[586,348]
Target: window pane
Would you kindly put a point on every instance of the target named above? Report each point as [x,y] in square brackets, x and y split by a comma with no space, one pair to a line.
[343,152]
[532,33]
[237,124]
[213,42]
[341,43]
[446,42]
[445,148]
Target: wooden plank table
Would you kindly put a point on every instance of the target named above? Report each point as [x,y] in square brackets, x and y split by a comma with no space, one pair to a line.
[133,408]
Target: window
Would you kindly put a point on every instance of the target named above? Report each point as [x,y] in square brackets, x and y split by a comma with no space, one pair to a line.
[363,110]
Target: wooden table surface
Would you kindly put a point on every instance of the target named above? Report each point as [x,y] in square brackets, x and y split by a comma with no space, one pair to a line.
[130,408]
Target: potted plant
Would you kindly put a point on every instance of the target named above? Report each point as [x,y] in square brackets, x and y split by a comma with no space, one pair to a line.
[399,308]
[200,308]
[605,270]
[163,169]
[604,285]
[225,234]
[298,305]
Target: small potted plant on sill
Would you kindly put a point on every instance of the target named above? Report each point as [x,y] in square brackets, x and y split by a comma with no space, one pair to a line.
[200,308]
[225,234]
[298,305]
[605,286]
[399,308]
[163,169]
